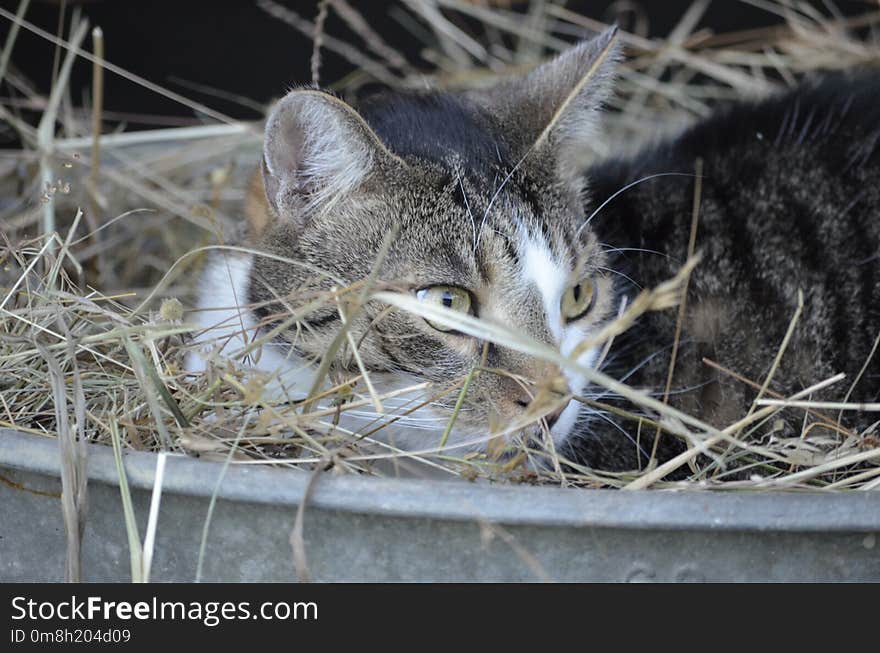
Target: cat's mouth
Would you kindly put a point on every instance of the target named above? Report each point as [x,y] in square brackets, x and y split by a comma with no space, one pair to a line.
[534,436]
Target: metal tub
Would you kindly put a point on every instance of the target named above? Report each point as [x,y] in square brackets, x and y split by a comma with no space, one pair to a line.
[373,529]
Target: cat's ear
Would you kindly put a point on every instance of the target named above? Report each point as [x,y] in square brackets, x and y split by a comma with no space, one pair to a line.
[554,108]
[316,151]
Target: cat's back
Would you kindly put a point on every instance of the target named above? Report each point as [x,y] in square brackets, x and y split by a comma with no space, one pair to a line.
[837,115]
[789,188]
[830,113]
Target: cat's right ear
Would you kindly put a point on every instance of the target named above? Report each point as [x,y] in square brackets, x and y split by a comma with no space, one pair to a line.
[317,150]
[551,112]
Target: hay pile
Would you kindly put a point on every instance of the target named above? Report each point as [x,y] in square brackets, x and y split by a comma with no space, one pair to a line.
[93,327]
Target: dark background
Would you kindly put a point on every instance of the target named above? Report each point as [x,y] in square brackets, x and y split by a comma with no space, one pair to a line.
[237,47]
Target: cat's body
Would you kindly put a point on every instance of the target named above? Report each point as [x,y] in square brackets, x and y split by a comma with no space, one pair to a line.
[789,200]
[484,199]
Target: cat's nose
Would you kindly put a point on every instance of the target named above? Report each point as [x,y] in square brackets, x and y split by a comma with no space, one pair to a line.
[551,418]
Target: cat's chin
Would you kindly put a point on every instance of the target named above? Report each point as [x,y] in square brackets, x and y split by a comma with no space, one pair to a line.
[413,436]
[463,441]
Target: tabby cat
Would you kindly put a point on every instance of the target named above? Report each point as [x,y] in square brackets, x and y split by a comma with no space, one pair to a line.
[481,202]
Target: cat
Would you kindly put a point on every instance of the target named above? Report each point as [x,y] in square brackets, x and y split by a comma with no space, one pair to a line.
[485,202]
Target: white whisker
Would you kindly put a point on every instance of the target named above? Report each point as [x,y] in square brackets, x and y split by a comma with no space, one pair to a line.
[626,188]
[468,207]
[498,192]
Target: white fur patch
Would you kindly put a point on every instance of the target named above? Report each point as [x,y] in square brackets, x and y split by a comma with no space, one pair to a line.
[572,337]
[550,276]
[228,326]
[222,291]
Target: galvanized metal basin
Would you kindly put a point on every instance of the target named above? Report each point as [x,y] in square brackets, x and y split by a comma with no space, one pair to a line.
[372,529]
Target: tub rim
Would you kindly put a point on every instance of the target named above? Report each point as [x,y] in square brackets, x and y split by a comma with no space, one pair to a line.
[459,500]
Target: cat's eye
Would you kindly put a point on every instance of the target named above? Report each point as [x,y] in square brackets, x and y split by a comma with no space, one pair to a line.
[578,300]
[457,299]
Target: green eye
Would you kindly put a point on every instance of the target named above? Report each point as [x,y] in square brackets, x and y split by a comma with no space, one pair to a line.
[578,300]
[447,296]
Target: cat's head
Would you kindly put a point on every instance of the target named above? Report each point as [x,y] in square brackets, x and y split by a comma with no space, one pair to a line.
[482,195]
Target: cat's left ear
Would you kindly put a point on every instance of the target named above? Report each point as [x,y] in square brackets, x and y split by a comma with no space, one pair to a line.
[553,110]
[316,151]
